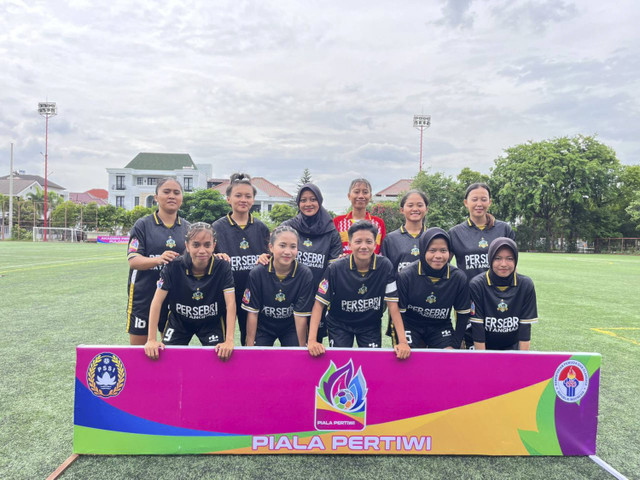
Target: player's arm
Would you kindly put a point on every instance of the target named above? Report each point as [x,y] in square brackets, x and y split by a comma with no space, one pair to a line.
[152,347]
[225,348]
[524,345]
[140,262]
[401,348]
[301,329]
[252,327]
[315,348]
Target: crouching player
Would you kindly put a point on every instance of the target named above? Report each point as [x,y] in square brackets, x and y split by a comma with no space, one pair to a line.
[279,295]
[354,288]
[428,290]
[503,301]
[196,286]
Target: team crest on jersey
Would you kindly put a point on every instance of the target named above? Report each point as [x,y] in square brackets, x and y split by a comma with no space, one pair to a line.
[307,243]
[133,245]
[197,295]
[246,298]
[324,286]
[171,243]
[244,244]
[483,243]
[363,289]
[106,375]
[571,381]
[431,298]
[280,297]
[341,399]
[415,251]
[502,306]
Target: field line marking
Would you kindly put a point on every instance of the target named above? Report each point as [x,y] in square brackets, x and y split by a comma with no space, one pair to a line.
[42,267]
[63,466]
[611,334]
[607,468]
[58,261]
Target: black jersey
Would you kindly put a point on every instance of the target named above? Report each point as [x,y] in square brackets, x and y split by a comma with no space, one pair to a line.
[195,300]
[470,245]
[354,299]
[401,247]
[277,301]
[316,251]
[151,238]
[506,315]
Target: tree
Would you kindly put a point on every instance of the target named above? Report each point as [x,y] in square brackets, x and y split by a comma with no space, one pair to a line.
[468,177]
[304,178]
[53,199]
[65,214]
[626,203]
[136,213]
[203,206]
[281,212]
[390,213]
[444,199]
[633,210]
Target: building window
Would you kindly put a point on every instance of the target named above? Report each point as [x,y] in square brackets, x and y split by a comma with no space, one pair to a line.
[270,207]
[151,180]
[138,180]
[136,201]
[119,182]
[188,184]
[120,202]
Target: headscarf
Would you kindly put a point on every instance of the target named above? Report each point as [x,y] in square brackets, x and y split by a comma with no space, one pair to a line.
[496,245]
[315,225]
[429,235]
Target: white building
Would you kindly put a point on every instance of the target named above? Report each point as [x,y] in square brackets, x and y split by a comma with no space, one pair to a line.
[135,184]
[268,194]
[24,184]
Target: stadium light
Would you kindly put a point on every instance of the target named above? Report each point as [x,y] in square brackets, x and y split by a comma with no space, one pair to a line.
[46,109]
[421,122]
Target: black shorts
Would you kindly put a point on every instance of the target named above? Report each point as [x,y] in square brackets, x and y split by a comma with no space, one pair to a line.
[428,335]
[180,333]
[342,336]
[515,346]
[266,335]
[139,324]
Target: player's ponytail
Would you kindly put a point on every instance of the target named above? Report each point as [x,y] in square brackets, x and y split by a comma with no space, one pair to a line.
[240,179]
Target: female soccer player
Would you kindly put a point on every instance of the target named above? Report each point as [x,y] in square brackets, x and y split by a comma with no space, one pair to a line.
[241,238]
[355,288]
[401,245]
[154,241]
[359,195]
[279,296]
[503,301]
[429,289]
[196,285]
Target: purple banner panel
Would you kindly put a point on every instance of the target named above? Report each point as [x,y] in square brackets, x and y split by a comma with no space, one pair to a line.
[112,239]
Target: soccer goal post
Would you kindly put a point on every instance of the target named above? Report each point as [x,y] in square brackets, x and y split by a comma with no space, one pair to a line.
[56,234]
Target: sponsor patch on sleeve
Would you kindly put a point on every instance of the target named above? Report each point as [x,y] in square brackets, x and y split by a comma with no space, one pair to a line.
[473,308]
[133,245]
[391,287]
[160,283]
[324,286]
[246,298]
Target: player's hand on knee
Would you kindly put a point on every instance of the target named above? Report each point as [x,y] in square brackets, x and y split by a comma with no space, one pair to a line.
[402,350]
[224,350]
[152,349]
[315,349]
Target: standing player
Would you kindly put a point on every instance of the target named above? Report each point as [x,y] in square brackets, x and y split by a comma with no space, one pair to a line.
[154,241]
[359,195]
[429,289]
[241,238]
[470,239]
[401,245]
[354,289]
[279,296]
[196,285]
[503,302]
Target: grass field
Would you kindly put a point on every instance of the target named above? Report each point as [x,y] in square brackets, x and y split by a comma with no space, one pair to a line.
[56,296]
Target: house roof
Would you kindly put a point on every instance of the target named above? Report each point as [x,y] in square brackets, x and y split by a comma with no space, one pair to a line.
[161,161]
[86,198]
[31,178]
[396,189]
[19,185]
[98,193]
[262,185]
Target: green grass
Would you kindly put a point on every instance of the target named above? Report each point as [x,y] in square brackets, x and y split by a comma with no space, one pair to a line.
[56,296]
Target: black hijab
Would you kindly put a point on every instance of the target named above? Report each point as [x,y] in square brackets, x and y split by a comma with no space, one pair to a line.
[315,225]
[496,245]
[429,235]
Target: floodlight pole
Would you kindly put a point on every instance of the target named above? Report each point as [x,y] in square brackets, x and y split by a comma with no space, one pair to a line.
[421,122]
[46,109]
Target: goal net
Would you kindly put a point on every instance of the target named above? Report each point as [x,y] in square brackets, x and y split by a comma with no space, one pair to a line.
[56,234]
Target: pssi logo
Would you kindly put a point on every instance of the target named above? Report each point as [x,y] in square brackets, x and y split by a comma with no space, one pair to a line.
[571,381]
[106,375]
[341,399]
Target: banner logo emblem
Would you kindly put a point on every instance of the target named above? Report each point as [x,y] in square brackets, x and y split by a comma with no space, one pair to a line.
[571,381]
[106,375]
[341,399]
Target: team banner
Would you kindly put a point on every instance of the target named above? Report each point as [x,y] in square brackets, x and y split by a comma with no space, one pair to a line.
[353,401]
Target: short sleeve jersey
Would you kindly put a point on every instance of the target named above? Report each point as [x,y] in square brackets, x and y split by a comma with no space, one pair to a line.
[401,248]
[354,299]
[194,300]
[316,251]
[277,301]
[502,313]
[243,245]
[470,245]
[150,237]
[344,222]
[423,301]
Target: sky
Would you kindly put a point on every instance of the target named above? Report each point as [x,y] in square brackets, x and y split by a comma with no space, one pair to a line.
[272,87]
